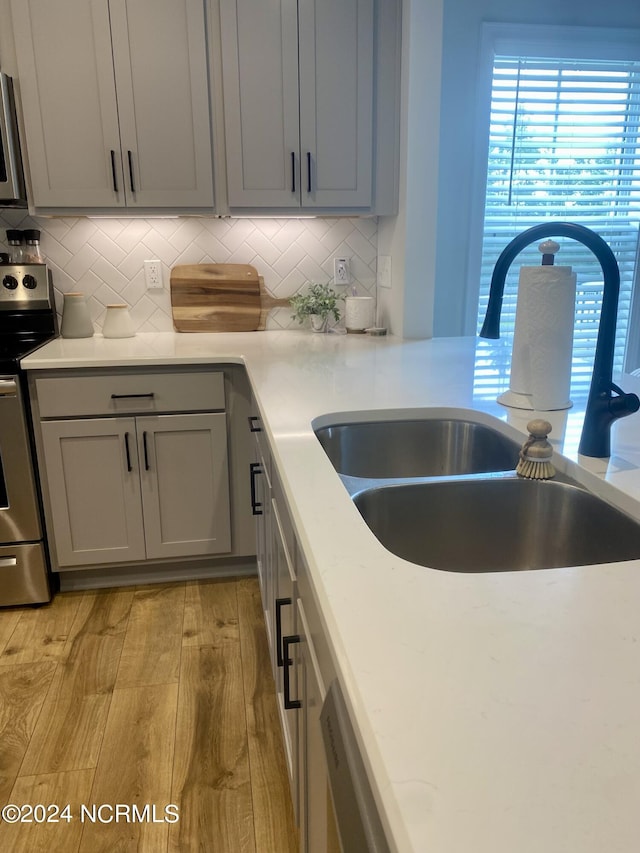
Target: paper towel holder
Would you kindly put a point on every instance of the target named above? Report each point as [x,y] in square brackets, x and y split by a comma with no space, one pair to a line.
[540,378]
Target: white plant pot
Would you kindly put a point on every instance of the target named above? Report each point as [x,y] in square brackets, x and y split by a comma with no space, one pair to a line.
[318,322]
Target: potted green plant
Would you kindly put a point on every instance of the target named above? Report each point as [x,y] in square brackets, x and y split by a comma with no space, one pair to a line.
[318,303]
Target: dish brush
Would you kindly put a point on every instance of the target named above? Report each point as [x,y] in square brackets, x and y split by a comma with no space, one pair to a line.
[536,453]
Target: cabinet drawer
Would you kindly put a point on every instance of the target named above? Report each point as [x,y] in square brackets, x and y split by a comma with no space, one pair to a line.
[129,393]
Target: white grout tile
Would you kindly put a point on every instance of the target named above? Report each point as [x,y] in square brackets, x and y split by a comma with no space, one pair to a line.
[104,257]
[105,246]
[81,261]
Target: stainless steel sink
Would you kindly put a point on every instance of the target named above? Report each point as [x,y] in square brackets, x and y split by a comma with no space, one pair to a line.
[498,524]
[430,447]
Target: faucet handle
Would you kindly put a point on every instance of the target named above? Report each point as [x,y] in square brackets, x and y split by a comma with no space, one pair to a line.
[549,248]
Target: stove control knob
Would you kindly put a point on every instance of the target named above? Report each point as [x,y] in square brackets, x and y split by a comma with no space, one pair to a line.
[29,282]
[10,282]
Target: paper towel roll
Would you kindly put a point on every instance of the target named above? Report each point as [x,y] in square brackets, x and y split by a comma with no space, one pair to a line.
[543,337]
[358,314]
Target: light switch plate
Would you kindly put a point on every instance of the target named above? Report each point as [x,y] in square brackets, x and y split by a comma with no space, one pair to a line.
[384,271]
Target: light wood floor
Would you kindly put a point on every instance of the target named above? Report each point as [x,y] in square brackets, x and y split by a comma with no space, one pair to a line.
[145,695]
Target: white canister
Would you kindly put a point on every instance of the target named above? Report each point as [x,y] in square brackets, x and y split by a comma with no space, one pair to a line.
[76,322]
[117,322]
[359,313]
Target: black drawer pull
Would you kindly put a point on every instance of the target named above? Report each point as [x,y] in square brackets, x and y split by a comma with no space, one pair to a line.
[254,423]
[256,506]
[130,158]
[148,396]
[144,448]
[127,451]
[113,171]
[308,171]
[293,171]
[280,603]
[289,703]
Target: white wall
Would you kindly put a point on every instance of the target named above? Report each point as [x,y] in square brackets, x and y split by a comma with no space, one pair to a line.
[461,39]
[409,238]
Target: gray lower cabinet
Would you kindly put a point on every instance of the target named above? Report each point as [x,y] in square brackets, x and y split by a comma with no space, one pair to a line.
[301,90]
[115,100]
[134,464]
[318,831]
[137,488]
[284,592]
[300,660]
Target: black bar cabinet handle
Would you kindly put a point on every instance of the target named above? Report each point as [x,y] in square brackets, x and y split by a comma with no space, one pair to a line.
[127,451]
[113,171]
[308,171]
[293,171]
[254,470]
[289,703]
[130,159]
[254,423]
[144,449]
[280,603]
[149,396]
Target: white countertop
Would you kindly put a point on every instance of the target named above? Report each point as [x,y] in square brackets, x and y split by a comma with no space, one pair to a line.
[500,712]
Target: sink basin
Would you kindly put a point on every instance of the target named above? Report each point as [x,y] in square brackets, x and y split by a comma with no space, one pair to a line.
[498,524]
[416,448]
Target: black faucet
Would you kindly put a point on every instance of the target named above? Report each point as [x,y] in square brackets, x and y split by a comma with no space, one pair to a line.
[606,402]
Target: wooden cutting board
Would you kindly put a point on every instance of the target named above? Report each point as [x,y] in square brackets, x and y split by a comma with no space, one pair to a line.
[220,298]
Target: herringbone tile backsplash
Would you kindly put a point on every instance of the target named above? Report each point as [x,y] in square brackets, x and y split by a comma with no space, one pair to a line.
[103,258]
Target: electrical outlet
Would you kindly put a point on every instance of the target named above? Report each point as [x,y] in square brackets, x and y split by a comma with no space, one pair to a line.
[384,271]
[341,272]
[153,275]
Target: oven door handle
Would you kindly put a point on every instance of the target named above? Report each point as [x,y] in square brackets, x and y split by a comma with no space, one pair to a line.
[8,388]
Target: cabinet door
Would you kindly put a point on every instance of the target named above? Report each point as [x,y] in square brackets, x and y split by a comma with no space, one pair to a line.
[94,483]
[260,503]
[160,63]
[260,83]
[185,484]
[285,622]
[336,102]
[68,97]
[318,833]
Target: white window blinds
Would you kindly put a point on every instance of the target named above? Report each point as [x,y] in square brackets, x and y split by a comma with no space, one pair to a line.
[564,146]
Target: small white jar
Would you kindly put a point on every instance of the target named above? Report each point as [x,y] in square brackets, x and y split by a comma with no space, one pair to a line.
[76,322]
[117,322]
[359,313]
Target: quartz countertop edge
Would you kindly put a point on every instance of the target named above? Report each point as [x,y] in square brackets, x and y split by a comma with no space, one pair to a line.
[497,711]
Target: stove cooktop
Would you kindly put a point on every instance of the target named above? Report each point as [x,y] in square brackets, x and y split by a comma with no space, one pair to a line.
[28,316]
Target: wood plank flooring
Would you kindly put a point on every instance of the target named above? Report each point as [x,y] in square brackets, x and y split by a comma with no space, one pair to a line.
[146,697]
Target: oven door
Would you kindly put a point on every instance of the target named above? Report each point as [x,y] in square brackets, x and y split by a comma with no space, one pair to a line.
[19,510]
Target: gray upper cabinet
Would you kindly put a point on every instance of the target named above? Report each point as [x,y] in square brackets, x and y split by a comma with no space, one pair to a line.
[300,89]
[115,100]
[336,102]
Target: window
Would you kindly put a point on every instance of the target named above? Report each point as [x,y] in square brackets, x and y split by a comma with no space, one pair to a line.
[564,145]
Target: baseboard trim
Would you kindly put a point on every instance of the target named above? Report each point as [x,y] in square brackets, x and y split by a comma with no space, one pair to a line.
[104,578]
